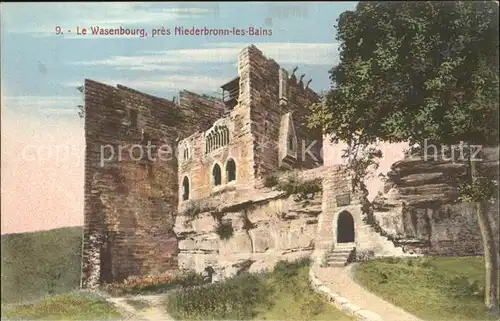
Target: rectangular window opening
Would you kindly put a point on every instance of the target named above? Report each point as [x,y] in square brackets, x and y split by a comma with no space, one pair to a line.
[133,117]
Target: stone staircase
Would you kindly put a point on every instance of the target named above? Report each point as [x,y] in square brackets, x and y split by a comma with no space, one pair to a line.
[338,255]
[370,239]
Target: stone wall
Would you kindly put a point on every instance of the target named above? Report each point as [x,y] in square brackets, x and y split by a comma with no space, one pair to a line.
[268,226]
[198,168]
[131,199]
[131,202]
[420,208]
[259,93]
[254,129]
[300,98]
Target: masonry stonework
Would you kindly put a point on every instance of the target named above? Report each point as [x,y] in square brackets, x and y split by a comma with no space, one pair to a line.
[149,161]
[130,202]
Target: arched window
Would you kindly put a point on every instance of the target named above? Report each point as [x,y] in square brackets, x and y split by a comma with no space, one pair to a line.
[186,153]
[185,188]
[230,170]
[209,143]
[217,138]
[216,173]
[226,131]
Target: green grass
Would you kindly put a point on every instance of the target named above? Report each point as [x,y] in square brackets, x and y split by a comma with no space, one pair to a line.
[450,288]
[70,306]
[283,294]
[40,263]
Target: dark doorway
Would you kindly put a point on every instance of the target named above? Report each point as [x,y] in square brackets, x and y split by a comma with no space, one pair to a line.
[345,228]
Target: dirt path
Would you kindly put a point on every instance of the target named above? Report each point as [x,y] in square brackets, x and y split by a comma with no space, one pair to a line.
[142,307]
[340,281]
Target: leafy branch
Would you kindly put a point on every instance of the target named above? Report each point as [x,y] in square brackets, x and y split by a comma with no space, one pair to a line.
[81,108]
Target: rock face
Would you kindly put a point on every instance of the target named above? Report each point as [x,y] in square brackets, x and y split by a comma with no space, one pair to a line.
[267,226]
[420,208]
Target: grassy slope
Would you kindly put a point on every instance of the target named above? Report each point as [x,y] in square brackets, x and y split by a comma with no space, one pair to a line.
[40,263]
[69,306]
[431,288]
[281,295]
[296,301]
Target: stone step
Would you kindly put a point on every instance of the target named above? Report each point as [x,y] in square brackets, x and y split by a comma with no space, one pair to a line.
[337,254]
[341,251]
[349,244]
[343,248]
[335,264]
[336,261]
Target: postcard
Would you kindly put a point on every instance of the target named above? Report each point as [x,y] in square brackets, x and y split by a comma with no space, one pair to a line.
[250,160]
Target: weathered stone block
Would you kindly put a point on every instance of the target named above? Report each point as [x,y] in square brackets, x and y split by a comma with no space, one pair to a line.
[240,242]
[261,239]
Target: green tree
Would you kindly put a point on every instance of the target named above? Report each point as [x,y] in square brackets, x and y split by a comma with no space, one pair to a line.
[416,71]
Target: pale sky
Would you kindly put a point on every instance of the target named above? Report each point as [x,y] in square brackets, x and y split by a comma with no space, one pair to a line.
[42,136]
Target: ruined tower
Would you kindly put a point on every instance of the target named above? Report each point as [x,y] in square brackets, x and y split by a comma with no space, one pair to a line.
[263,129]
[144,155]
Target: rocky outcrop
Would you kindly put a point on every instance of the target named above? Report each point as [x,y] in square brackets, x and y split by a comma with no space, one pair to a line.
[420,209]
[267,226]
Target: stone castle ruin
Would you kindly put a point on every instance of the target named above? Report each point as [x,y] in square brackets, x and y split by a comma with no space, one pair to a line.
[241,184]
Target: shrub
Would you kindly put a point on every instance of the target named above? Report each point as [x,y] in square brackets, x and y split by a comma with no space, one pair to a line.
[365,255]
[352,256]
[155,283]
[194,209]
[299,187]
[293,185]
[224,229]
[243,296]
[285,269]
[235,298]
[271,180]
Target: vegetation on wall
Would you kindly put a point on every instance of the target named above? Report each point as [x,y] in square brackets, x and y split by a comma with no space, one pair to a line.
[271,180]
[195,208]
[302,189]
[81,108]
[224,229]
